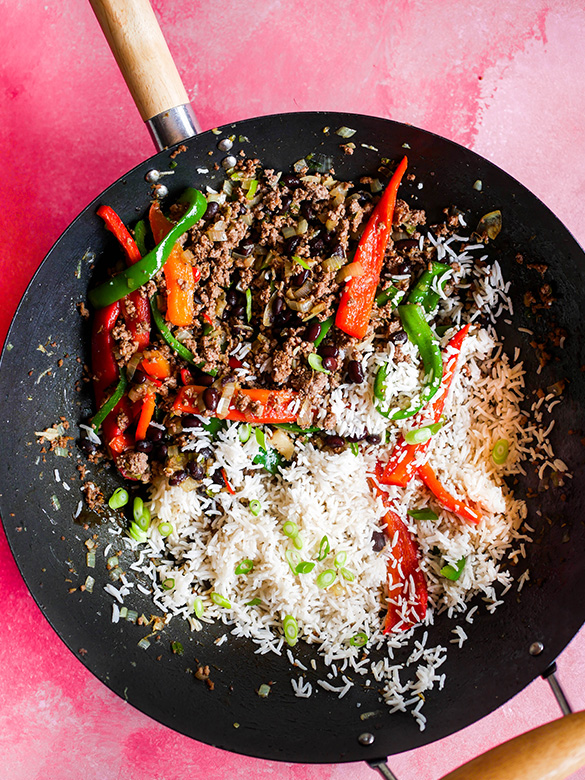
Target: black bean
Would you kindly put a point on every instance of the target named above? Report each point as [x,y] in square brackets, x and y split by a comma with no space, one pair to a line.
[336,250]
[313,332]
[206,452]
[378,540]
[201,378]
[178,477]
[160,452]
[277,305]
[307,210]
[245,247]
[355,438]
[139,377]
[211,398]
[291,244]
[330,238]
[211,210]
[334,441]
[301,277]
[87,447]
[154,434]
[316,245]
[232,297]
[399,337]
[364,196]
[295,321]
[285,201]
[239,311]
[406,243]
[191,421]
[195,470]
[403,268]
[144,445]
[330,363]
[290,180]
[197,299]
[218,478]
[281,320]
[373,438]
[355,372]
[329,350]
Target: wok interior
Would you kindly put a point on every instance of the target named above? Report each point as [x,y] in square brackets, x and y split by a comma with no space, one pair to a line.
[492,665]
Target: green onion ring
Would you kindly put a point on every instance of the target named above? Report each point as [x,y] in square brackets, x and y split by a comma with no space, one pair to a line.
[245,566]
[291,630]
[118,499]
[220,600]
[326,578]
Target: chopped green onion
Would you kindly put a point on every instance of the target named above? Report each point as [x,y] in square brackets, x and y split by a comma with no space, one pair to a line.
[304,567]
[252,189]
[245,566]
[136,533]
[260,437]
[325,328]
[345,132]
[423,514]
[347,574]
[298,541]
[165,529]
[355,448]
[131,616]
[141,514]
[112,562]
[264,690]
[453,572]
[500,451]
[90,559]
[422,435]
[290,529]
[177,648]
[254,603]
[326,578]
[118,499]
[198,607]
[255,506]
[123,612]
[244,432]
[293,559]
[301,262]
[220,600]
[316,363]
[168,584]
[89,583]
[340,559]
[248,304]
[291,630]
[324,549]
[55,503]
[144,643]
[137,508]
[359,640]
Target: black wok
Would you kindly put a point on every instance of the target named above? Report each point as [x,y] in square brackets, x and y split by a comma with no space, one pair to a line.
[47,542]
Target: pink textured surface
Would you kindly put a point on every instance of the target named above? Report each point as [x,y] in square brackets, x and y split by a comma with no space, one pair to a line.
[505,80]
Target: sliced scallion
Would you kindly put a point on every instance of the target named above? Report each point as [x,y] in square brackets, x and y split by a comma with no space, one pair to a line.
[136,533]
[252,189]
[347,574]
[326,578]
[354,447]
[177,648]
[168,584]
[260,437]
[298,541]
[422,435]
[198,607]
[245,566]
[359,640]
[254,603]
[500,451]
[305,567]
[301,262]
[293,559]
[291,630]
[248,305]
[244,432]
[290,529]
[221,601]
[316,363]
[118,499]
[324,549]
[165,529]
[340,559]
[255,506]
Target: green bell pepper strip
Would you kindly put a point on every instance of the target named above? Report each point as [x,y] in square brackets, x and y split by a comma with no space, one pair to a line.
[110,404]
[390,294]
[174,343]
[325,327]
[422,292]
[143,271]
[420,334]
[140,231]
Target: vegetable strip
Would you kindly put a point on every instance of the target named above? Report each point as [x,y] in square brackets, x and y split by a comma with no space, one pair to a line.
[277,404]
[449,502]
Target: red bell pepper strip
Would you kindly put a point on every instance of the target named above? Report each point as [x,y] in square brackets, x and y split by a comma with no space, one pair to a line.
[115,225]
[357,299]
[401,467]
[405,551]
[277,405]
[148,407]
[156,365]
[449,502]
[178,273]
[228,487]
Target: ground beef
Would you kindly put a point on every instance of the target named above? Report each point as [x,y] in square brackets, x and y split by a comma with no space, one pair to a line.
[134,465]
[94,498]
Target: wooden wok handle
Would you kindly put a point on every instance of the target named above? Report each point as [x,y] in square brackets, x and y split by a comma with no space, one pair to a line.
[550,752]
[142,54]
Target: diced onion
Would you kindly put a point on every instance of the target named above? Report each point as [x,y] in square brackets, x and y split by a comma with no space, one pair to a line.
[301,292]
[282,442]
[345,132]
[301,306]
[305,416]
[302,227]
[133,364]
[349,271]
[332,263]
[288,231]
[217,231]
[223,405]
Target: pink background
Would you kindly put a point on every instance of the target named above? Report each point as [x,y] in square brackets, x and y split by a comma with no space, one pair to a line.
[503,79]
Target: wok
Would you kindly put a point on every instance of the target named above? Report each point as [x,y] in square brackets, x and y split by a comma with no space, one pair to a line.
[47,541]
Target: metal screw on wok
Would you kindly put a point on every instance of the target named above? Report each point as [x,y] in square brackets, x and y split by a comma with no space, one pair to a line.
[536,648]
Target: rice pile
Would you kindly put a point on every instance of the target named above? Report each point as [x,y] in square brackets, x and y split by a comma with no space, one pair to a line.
[327,494]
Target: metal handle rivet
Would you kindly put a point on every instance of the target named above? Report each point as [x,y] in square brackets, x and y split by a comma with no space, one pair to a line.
[366,738]
[152,176]
[536,648]
[225,144]
[229,162]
